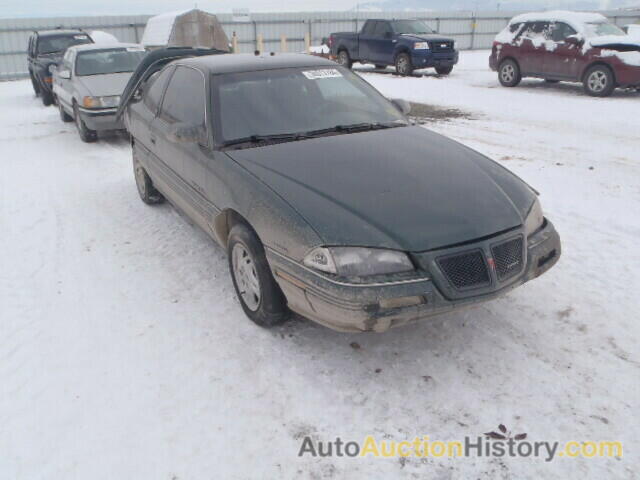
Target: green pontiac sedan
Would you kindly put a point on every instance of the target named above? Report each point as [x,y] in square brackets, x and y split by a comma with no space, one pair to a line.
[328,200]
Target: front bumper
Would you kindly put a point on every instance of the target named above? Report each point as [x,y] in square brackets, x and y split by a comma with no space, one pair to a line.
[351,307]
[428,58]
[101,119]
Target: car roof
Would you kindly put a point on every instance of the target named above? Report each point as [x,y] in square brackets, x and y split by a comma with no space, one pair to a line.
[53,33]
[104,46]
[236,63]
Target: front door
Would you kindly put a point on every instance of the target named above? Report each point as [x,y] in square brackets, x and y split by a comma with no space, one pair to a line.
[183,141]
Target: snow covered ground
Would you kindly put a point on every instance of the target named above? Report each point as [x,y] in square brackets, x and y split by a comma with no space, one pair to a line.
[124,354]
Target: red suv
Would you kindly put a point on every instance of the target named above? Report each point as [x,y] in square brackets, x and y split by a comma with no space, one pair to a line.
[569,46]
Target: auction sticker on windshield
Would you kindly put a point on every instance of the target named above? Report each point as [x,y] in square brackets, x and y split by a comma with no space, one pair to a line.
[324,73]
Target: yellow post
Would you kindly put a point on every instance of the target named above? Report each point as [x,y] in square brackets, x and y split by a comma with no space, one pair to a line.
[234,43]
[260,43]
[283,43]
[307,43]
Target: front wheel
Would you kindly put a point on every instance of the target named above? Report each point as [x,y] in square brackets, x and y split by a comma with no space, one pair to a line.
[444,70]
[46,97]
[64,116]
[599,81]
[403,64]
[344,59]
[509,73]
[86,134]
[260,296]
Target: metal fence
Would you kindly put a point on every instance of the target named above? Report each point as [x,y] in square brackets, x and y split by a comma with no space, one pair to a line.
[470,30]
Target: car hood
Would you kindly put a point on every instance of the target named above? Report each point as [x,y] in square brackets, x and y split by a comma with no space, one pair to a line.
[427,37]
[613,40]
[105,85]
[404,188]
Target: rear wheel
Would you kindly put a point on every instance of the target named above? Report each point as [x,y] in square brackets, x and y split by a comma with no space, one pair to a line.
[344,59]
[444,70]
[403,64]
[509,73]
[86,134]
[146,190]
[599,81]
[260,296]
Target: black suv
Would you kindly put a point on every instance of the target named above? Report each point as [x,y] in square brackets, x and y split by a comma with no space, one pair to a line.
[45,49]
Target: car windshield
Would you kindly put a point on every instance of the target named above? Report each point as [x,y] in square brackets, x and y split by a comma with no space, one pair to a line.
[410,27]
[299,101]
[600,29]
[102,62]
[60,44]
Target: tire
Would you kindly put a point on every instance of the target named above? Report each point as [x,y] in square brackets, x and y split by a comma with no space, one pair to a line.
[444,70]
[509,73]
[34,83]
[148,193]
[86,134]
[47,97]
[403,64]
[381,67]
[344,59]
[64,116]
[599,81]
[259,294]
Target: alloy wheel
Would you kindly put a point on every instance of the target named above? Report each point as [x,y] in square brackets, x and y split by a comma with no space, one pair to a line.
[597,81]
[508,73]
[244,271]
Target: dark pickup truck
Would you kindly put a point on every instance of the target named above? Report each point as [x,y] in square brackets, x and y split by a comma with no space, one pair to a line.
[407,44]
[44,52]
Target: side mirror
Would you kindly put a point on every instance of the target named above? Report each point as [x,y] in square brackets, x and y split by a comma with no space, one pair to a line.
[402,105]
[574,40]
[66,74]
[183,132]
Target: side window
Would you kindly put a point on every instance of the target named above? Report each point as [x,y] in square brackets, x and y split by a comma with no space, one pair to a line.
[185,98]
[536,29]
[560,31]
[29,45]
[153,93]
[369,27]
[382,28]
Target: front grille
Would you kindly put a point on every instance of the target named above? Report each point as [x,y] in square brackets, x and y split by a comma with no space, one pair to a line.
[465,270]
[508,258]
[443,46]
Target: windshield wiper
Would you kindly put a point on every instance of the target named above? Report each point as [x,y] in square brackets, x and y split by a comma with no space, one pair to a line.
[253,139]
[356,127]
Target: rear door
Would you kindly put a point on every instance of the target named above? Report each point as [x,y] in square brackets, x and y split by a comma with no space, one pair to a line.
[185,105]
[365,40]
[533,47]
[563,60]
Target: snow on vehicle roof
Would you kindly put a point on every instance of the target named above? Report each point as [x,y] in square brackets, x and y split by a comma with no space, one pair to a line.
[158,29]
[104,46]
[575,19]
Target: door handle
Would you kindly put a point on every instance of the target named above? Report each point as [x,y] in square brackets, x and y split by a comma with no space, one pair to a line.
[153,139]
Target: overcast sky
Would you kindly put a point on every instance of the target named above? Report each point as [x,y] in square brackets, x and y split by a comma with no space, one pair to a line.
[47,8]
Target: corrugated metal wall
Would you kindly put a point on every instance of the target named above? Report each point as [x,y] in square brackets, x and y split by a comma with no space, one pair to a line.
[469,30]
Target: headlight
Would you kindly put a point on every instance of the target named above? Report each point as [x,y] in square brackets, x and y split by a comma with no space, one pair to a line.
[357,261]
[534,220]
[421,46]
[101,102]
